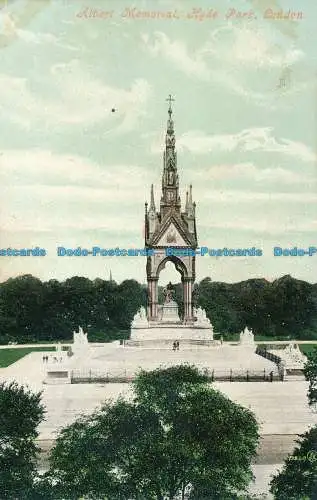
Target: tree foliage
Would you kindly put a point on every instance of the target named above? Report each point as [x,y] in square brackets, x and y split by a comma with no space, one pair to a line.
[284,308]
[20,413]
[310,372]
[33,311]
[298,478]
[167,440]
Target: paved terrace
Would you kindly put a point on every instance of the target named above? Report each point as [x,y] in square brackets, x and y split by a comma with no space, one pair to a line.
[129,360]
[281,407]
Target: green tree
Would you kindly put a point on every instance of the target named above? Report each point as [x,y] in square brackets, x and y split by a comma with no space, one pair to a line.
[177,436]
[310,372]
[21,302]
[298,478]
[20,413]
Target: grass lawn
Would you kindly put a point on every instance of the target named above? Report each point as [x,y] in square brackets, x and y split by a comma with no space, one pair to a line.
[307,348]
[234,337]
[9,356]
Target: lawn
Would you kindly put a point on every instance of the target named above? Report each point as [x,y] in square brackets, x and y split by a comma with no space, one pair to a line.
[307,348]
[9,356]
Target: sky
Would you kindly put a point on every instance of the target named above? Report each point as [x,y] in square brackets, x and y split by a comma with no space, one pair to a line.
[75,173]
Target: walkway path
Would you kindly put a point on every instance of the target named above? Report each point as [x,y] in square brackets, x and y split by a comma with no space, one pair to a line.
[53,344]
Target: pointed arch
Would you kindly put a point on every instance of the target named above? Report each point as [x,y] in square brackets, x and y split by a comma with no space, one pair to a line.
[178,263]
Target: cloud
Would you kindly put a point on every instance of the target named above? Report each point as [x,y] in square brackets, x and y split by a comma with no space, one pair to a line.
[177,52]
[46,192]
[12,31]
[46,218]
[242,51]
[81,99]
[277,226]
[253,48]
[254,139]
[45,169]
[235,196]
[42,191]
[248,171]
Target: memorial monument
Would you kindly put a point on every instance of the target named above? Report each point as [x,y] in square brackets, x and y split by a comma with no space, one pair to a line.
[168,322]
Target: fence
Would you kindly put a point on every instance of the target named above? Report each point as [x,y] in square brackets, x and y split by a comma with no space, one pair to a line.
[97,376]
[268,355]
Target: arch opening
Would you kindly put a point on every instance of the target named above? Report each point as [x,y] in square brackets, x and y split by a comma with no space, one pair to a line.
[171,271]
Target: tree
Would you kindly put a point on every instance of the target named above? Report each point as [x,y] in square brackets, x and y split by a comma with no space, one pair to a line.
[176,435]
[298,478]
[310,372]
[21,305]
[33,311]
[211,440]
[20,413]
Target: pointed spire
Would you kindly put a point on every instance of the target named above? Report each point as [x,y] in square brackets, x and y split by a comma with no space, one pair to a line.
[170,199]
[170,135]
[186,204]
[190,194]
[152,203]
[190,207]
[110,276]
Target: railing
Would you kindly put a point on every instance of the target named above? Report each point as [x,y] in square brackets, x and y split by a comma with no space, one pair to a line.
[229,375]
[268,355]
[273,357]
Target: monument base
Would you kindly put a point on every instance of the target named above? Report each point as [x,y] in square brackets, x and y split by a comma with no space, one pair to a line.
[171,331]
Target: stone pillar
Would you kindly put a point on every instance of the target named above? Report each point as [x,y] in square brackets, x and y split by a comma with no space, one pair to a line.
[185,298]
[188,306]
[152,298]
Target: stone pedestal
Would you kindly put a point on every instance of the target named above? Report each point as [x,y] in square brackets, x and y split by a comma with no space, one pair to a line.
[170,312]
[169,327]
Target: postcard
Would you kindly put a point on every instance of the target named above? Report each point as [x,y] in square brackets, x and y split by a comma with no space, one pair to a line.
[158,167]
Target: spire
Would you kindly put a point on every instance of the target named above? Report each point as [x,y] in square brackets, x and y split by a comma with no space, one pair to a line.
[190,208]
[110,276]
[152,203]
[190,195]
[170,135]
[170,197]
[186,205]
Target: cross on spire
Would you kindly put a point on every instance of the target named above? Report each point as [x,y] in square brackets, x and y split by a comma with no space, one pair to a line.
[170,100]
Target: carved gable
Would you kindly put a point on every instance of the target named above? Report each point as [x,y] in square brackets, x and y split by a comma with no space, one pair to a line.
[171,237]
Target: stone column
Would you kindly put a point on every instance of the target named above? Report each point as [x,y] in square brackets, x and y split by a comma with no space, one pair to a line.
[185,298]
